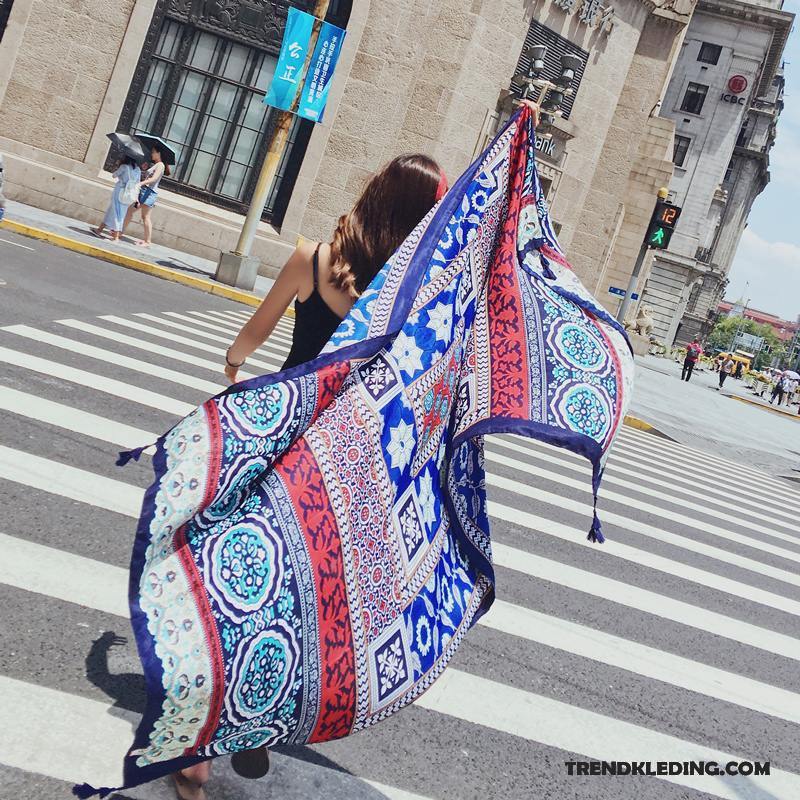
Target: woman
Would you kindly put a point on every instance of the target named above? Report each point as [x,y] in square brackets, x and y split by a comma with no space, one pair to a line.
[327,278]
[148,195]
[126,173]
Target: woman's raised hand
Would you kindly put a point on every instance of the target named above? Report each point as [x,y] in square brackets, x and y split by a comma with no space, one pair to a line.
[535,110]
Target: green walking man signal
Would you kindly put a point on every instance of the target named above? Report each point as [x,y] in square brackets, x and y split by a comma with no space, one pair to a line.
[662,224]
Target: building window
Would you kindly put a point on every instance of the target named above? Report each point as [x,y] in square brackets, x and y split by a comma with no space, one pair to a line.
[200,85]
[691,306]
[709,53]
[729,172]
[5,12]
[742,138]
[680,151]
[556,47]
[694,98]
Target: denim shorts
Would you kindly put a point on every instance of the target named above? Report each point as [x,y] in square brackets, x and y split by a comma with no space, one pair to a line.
[147,196]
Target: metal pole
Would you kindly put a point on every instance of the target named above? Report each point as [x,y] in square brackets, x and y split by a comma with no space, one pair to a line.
[637,268]
[275,151]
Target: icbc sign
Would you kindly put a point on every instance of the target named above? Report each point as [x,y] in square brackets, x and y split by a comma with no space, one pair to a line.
[737,85]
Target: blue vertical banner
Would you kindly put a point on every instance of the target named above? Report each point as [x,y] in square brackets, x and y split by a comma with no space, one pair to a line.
[288,78]
[320,72]
[291,80]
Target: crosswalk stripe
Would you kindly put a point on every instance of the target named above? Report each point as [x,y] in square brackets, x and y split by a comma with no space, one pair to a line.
[72,419]
[279,335]
[71,482]
[635,503]
[61,735]
[644,600]
[612,478]
[78,739]
[87,487]
[64,576]
[274,344]
[653,446]
[711,479]
[646,559]
[270,366]
[283,327]
[110,357]
[88,379]
[103,587]
[680,476]
[150,347]
[265,351]
[662,445]
[643,660]
[577,730]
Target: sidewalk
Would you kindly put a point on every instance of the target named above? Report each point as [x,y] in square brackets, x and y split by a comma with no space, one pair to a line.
[163,262]
[749,431]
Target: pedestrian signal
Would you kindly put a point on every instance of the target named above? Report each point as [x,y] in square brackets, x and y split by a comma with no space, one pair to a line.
[662,224]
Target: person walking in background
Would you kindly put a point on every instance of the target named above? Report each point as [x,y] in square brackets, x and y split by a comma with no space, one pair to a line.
[126,190]
[780,389]
[791,391]
[739,370]
[148,194]
[693,352]
[725,369]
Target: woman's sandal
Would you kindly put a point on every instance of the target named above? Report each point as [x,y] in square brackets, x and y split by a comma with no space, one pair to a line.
[186,789]
[251,763]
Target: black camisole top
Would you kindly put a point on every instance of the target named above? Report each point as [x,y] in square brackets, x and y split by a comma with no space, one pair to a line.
[314,323]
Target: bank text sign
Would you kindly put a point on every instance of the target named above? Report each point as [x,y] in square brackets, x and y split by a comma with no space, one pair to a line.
[302,79]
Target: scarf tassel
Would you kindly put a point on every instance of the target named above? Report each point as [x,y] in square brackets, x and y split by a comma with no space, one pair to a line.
[131,455]
[85,791]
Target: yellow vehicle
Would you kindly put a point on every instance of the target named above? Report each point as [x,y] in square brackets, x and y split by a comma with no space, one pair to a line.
[739,357]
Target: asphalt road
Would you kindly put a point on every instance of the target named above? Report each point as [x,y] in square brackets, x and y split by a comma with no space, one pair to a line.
[677,640]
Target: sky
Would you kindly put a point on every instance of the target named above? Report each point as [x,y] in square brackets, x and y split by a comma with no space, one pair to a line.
[768,258]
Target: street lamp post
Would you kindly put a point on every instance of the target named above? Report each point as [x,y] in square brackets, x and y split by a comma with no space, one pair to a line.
[240,268]
[547,94]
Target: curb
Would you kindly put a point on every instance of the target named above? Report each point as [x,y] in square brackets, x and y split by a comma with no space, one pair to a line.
[129,262]
[750,402]
[641,425]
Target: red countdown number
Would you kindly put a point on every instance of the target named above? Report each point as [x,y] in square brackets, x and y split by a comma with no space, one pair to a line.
[669,215]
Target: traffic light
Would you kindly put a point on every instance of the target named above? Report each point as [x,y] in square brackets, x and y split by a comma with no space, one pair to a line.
[662,224]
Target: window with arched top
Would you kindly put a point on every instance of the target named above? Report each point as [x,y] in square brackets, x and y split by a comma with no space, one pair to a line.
[199,84]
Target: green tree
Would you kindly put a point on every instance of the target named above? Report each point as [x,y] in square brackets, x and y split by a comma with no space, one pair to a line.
[724,332]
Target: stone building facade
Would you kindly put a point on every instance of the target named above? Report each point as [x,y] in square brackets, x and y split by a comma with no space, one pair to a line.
[725,97]
[427,75]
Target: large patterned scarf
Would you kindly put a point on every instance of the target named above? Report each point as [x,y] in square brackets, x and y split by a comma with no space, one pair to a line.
[316,542]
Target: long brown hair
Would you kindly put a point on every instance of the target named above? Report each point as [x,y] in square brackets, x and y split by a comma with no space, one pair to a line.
[158,150]
[390,207]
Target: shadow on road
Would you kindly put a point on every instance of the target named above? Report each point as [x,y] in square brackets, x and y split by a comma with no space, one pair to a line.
[127,690]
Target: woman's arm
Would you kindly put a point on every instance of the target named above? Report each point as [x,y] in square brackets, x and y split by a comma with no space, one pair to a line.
[157,173]
[263,322]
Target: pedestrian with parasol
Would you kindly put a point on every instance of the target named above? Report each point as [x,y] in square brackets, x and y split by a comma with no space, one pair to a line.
[162,156]
[126,189]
